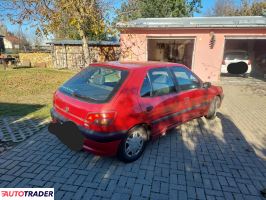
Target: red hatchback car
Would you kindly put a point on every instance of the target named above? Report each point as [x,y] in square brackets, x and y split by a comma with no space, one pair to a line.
[114,108]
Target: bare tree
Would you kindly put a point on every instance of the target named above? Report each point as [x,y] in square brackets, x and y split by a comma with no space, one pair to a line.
[230,8]
[223,8]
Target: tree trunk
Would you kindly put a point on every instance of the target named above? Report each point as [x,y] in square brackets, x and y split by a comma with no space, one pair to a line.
[85,46]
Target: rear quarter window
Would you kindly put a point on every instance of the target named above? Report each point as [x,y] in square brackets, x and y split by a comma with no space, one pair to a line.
[146,88]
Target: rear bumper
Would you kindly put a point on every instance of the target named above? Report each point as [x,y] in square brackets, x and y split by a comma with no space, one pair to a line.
[102,149]
[97,142]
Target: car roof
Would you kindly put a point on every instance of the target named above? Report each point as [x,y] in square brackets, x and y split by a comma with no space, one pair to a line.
[136,65]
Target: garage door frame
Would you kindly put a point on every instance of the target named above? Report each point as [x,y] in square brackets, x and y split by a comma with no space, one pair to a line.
[174,38]
[241,37]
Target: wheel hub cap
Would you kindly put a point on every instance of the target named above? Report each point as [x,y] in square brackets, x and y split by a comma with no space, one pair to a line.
[134,144]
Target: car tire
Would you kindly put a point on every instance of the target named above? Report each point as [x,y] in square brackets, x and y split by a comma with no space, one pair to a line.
[132,147]
[212,112]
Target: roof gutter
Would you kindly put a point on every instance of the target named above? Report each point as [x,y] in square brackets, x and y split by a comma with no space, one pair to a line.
[192,27]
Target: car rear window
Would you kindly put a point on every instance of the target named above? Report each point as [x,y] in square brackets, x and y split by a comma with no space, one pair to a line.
[95,84]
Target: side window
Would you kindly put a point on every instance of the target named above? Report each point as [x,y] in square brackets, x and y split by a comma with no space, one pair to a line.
[185,79]
[161,82]
[146,88]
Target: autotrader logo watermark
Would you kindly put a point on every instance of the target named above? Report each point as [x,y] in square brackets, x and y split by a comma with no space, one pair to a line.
[27,193]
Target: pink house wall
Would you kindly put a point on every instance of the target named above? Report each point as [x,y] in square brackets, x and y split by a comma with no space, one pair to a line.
[206,61]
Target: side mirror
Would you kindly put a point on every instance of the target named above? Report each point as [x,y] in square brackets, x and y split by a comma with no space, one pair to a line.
[206,85]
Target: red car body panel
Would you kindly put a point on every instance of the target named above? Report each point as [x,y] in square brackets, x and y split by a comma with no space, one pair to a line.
[131,109]
[101,149]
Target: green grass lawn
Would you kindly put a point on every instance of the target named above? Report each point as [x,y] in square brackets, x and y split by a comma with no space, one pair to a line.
[29,91]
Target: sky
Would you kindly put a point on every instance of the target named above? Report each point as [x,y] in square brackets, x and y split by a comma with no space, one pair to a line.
[206,4]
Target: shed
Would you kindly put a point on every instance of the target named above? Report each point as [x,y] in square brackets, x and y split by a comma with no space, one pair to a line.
[69,53]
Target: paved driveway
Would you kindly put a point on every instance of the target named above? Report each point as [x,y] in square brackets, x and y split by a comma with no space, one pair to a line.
[199,160]
[245,103]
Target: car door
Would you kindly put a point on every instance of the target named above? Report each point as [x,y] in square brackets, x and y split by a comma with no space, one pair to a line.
[191,93]
[158,96]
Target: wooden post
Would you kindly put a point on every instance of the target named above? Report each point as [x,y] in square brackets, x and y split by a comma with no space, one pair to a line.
[66,56]
[53,56]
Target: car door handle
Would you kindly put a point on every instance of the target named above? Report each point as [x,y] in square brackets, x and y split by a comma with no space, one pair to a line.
[187,99]
[149,108]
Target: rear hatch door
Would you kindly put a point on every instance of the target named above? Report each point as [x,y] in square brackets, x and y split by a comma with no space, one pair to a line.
[89,91]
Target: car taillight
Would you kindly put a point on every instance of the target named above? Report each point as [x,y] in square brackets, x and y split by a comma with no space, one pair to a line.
[249,62]
[223,63]
[101,119]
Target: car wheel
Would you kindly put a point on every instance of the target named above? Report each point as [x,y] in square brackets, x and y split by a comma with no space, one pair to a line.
[133,145]
[213,108]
